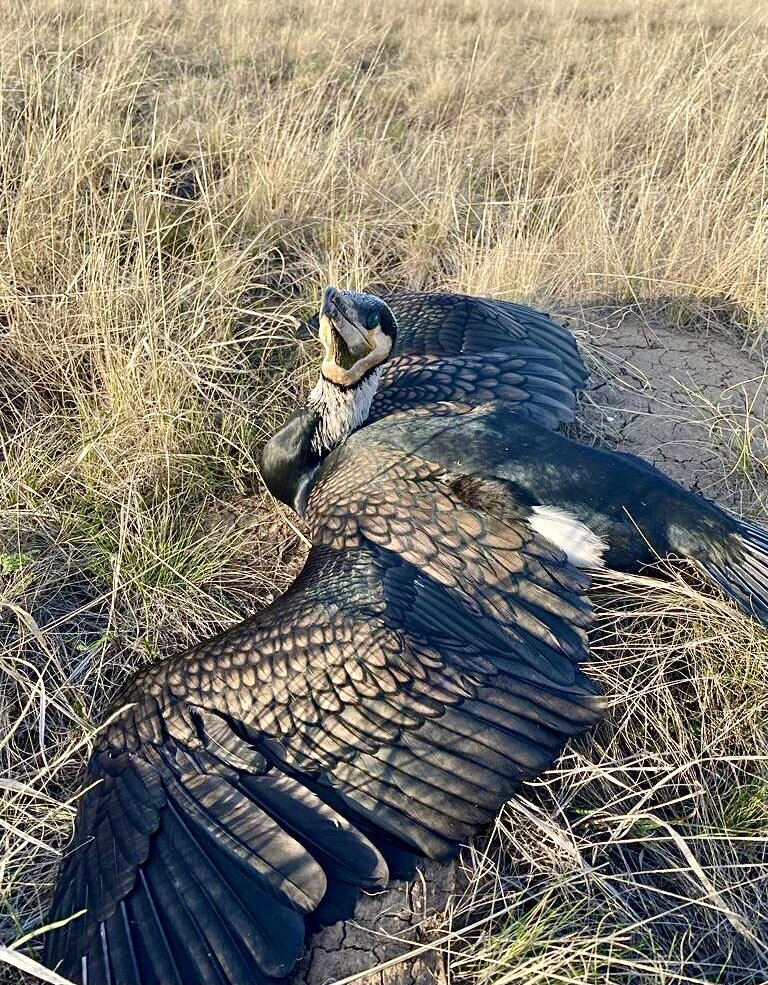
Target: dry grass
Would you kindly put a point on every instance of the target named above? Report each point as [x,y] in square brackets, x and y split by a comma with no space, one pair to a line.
[177,181]
[643,857]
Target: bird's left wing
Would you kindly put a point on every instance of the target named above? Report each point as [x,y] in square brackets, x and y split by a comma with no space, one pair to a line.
[424,663]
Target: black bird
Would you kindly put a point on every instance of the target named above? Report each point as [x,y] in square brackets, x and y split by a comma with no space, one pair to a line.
[423,664]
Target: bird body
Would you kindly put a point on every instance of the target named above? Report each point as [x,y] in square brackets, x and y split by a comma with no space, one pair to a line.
[633,508]
[382,707]
[423,664]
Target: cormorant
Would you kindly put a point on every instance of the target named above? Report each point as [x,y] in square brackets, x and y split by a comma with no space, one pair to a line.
[423,664]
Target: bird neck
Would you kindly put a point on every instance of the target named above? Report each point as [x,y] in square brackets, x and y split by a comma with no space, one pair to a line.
[293,455]
[288,461]
[340,410]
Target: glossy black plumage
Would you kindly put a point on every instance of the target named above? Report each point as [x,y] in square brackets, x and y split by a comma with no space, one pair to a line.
[470,350]
[423,664]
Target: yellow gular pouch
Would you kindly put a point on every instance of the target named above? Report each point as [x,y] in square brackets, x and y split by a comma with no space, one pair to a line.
[351,350]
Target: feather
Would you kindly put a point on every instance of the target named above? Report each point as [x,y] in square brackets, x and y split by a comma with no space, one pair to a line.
[423,664]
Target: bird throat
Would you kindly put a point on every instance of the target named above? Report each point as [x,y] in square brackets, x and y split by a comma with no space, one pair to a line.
[292,456]
[341,410]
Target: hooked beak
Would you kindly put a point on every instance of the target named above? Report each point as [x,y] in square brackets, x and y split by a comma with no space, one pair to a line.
[335,320]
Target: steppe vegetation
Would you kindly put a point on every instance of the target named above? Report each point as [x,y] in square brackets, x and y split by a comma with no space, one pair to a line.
[178,180]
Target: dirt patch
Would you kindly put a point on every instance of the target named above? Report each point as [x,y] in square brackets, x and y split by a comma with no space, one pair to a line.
[653,393]
[677,398]
[388,927]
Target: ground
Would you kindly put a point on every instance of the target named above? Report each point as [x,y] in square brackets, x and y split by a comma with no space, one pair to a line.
[179,179]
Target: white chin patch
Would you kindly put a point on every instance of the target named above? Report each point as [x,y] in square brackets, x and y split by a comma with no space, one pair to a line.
[582,546]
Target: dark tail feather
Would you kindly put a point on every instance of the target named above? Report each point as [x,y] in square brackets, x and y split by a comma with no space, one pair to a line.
[741,569]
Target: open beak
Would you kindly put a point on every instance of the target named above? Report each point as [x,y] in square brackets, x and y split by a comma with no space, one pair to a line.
[334,321]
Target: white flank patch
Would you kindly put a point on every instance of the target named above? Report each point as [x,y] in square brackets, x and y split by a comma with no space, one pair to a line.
[341,410]
[561,528]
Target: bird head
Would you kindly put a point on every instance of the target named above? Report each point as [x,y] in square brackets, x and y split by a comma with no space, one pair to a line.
[357,332]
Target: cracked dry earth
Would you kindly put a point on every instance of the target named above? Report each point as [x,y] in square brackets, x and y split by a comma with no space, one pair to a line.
[647,397]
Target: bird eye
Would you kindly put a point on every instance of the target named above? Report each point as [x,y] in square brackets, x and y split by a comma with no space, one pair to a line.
[373,319]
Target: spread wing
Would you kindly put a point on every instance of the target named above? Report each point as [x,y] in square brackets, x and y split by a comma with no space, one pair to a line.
[469,350]
[424,663]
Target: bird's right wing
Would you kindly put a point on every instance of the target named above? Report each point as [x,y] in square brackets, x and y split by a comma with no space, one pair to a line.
[424,663]
[468,350]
